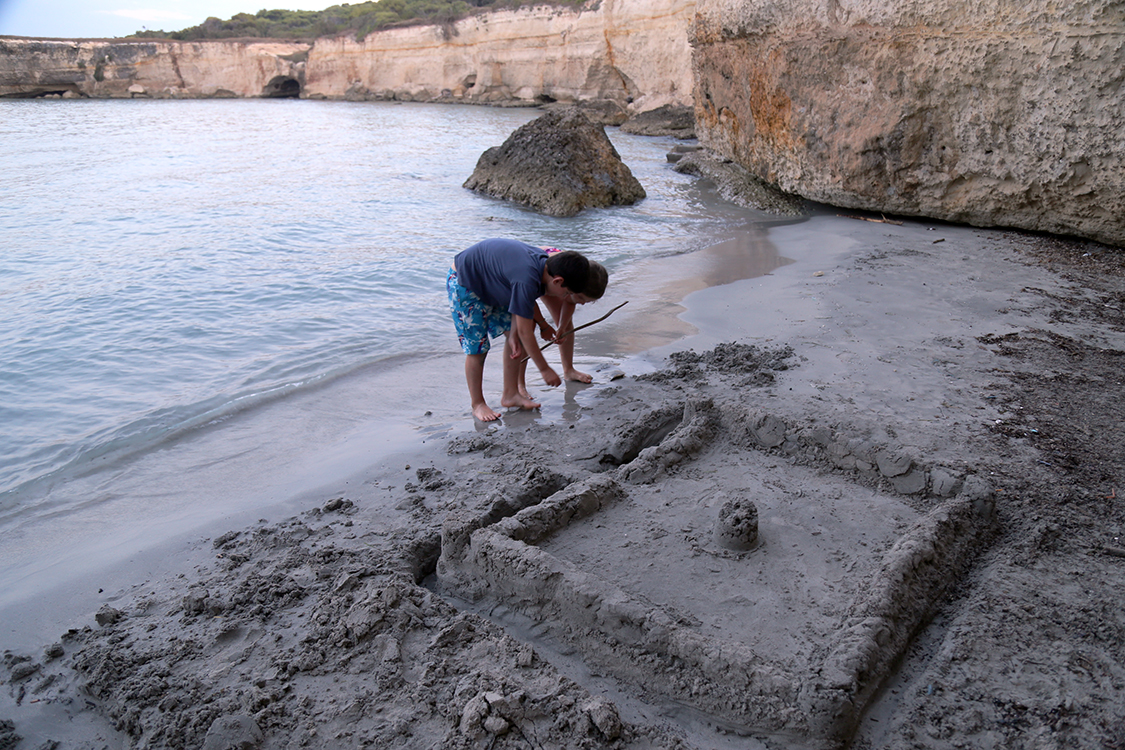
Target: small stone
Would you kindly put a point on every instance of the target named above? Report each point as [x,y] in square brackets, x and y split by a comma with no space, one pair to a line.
[234,732]
[893,464]
[496,725]
[910,483]
[107,615]
[473,716]
[23,670]
[603,715]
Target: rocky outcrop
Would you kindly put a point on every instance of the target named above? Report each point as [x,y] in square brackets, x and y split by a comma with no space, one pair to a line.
[634,52]
[736,185]
[157,69]
[559,164]
[982,113]
[616,56]
[678,122]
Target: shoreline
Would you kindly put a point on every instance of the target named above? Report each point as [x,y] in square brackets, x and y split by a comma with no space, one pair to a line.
[924,345]
[326,445]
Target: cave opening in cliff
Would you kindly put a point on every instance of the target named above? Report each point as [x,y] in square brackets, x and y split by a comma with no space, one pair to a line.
[282,87]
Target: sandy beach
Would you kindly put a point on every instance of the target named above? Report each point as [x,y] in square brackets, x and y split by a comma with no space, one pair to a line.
[839,482]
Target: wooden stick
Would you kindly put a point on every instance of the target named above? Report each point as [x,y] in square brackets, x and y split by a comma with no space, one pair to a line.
[577,329]
[883,220]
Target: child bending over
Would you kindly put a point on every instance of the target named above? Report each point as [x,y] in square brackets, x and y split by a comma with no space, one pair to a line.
[493,287]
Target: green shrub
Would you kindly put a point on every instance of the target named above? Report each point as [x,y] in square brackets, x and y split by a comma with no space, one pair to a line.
[359,19]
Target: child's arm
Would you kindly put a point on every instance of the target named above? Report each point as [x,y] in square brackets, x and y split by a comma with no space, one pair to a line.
[525,331]
[566,314]
[545,329]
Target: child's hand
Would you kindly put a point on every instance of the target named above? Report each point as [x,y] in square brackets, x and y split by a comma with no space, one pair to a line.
[546,332]
[550,377]
[516,347]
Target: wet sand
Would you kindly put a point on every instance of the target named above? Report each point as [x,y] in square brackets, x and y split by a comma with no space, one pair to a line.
[882,371]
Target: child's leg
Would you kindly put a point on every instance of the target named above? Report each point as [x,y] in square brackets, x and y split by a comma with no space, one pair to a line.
[474,321]
[474,377]
[512,366]
[521,379]
[563,313]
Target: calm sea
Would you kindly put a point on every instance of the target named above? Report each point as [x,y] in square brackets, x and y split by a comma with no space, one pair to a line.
[167,264]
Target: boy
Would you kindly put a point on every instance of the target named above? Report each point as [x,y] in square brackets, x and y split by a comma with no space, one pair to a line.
[493,287]
[562,311]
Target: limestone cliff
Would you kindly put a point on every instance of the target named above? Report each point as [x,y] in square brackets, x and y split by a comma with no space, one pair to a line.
[632,52]
[999,113]
[162,69]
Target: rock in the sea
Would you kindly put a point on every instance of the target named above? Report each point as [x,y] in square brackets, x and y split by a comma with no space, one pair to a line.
[559,164]
[738,185]
[669,120]
[994,114]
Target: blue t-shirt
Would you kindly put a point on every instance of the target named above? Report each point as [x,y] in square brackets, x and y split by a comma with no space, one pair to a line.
[504,273]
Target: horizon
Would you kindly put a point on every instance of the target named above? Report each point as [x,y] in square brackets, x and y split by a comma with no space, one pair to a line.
[105,19]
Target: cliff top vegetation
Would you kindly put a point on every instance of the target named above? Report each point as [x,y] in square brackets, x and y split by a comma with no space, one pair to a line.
[359,18]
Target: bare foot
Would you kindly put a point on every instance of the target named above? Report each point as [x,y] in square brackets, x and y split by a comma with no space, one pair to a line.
[484,413]
[577,377]
[525,393]
[519,400]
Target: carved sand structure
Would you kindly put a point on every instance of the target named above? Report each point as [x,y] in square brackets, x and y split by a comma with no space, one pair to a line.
[737,660]
[558,582]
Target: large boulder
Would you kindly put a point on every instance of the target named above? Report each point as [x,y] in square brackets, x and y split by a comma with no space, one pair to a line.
[993,114]
[558,164]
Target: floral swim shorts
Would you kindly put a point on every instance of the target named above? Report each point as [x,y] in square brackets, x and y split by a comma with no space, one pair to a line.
[475,321]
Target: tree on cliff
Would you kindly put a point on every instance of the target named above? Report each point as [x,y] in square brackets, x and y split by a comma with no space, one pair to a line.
[359,19]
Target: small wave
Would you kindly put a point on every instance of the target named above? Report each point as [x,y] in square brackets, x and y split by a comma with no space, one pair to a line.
[108,449]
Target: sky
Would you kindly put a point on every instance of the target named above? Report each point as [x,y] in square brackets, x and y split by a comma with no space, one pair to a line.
[76,19]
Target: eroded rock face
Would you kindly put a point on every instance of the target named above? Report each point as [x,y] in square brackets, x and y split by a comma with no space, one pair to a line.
[122,69]
[559,164]
[993,114]
[631,52]
[616,58]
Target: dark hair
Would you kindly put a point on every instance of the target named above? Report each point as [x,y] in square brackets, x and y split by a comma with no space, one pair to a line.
[596,282]
[572,266]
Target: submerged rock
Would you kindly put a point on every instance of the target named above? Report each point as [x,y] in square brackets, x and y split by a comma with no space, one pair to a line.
[738,185]
[558,164]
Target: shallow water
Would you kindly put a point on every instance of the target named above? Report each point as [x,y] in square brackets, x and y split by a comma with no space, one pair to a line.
[209,302]
[167,263]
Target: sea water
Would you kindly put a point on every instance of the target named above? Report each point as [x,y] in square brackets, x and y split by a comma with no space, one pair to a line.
[167,266]
[166,262]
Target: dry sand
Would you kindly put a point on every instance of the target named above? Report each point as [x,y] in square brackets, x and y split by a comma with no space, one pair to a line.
[926,418]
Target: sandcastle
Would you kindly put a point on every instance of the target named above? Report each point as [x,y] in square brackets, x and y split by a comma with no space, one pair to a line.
[771,611]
